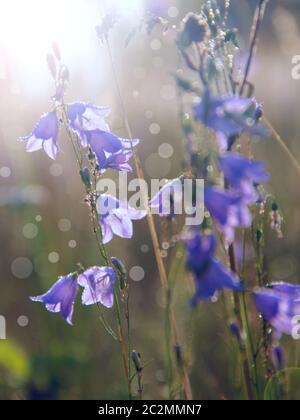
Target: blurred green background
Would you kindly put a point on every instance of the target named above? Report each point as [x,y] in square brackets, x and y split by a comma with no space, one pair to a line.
[44,223]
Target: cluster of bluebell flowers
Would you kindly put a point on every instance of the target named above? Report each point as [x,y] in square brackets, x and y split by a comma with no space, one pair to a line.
[230,208]
[98,287]
[88,123]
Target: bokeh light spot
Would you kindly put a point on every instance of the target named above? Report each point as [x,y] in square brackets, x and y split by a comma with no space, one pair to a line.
[137,273]
[167,92]
[173,12]
[5,172]
[165,150]
[53,257]
[23,321]
[21,267]
[30,230]
[64,225]
[154,128]
[56,169]
[72,243]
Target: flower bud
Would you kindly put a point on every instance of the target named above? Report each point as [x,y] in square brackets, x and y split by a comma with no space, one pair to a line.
[85,177]
[51,65]
[56,51]
[121,271]
[136,358]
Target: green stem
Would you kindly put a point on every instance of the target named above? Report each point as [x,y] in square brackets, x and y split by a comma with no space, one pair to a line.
[153,232]
[102,249]
[250,345]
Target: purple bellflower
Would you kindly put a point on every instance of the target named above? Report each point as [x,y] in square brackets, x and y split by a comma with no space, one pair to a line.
[228,210]
[118,159]
[88,122]
[98,283]
[44,135]
[209,273]
[168,199]
[61,297]
[279,305]
[243,175]
[115,217]
[229,117]
[85,117]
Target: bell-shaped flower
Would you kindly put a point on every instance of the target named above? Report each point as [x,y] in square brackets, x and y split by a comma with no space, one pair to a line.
[44,135]
[85,117]
[61,297]
[168,199]
[209,273]
[98,283]
[279,305]
[243,175]
[116,160]
[228,209]
[115,217]
[229,117]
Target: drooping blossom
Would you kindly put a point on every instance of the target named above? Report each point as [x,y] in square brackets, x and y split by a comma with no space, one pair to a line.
[98,283]
[115,217]
[61,297]
[228,209]
[85,117]
[243,175]
[229,117]
[88,122]
[280,306]
[168,199]
[117,160]
[44,135]
[209,273]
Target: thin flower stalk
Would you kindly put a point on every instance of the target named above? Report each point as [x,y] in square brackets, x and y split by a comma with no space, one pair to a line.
[154,237]
[125,353]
